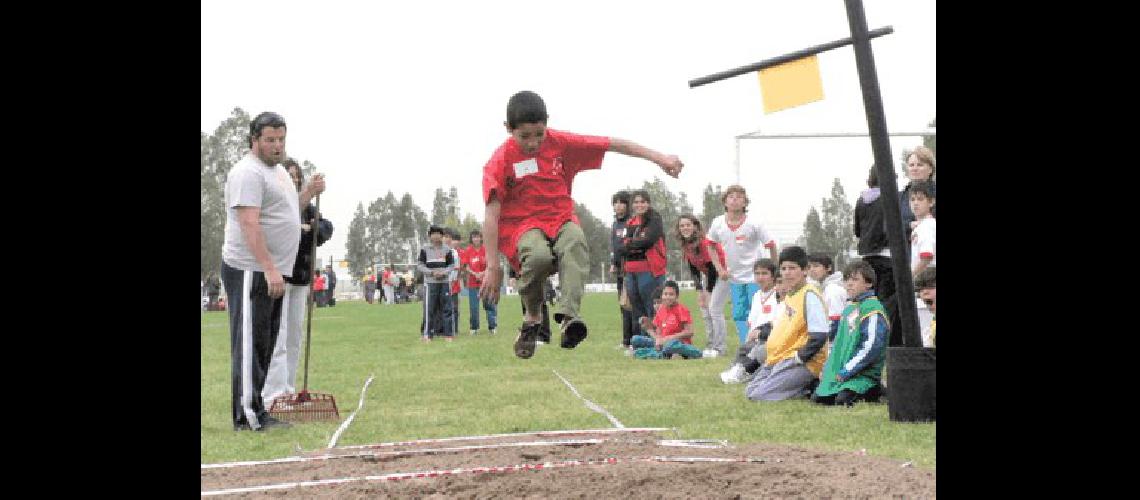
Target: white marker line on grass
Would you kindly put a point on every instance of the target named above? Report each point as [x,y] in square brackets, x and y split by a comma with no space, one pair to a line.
[347,421]
[590,404]
[475,470]
[514,434]
[565,442]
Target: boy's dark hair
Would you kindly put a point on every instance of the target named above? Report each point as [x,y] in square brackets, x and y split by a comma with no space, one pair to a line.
[669,284]
[622,196]
[925,279]
[821,258]
[474,233]
[525,107]
[767,264]
[451,233]
[794,254]
[435,229]
[864,269]
[265,119]
[924,187]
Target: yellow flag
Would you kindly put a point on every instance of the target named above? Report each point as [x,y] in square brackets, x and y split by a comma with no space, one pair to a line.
[791,84]
[344,264]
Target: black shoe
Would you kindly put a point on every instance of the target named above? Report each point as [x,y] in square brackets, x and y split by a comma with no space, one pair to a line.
[573,333]
[544,333]
[524,344]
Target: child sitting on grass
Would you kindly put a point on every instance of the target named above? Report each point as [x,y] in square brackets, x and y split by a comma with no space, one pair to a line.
[670,332]
[854,368]
[764,310]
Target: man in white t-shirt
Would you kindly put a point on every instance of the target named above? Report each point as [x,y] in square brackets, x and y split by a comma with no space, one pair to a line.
[263,231]
[742,238]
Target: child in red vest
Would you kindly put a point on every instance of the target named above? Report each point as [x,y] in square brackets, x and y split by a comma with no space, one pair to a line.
[706,260]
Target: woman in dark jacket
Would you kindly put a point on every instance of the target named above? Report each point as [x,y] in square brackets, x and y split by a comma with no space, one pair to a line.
[282,371]
[643,252]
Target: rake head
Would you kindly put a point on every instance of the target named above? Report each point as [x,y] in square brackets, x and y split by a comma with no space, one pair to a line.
[305,406]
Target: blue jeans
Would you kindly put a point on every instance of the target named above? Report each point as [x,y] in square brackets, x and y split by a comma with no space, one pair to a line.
[639,287]
[473,303]
[741,305]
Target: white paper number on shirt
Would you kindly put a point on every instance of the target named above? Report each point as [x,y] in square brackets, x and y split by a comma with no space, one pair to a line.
[525,168]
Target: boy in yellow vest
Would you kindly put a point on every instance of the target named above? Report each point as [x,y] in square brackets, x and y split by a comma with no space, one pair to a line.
[796,347]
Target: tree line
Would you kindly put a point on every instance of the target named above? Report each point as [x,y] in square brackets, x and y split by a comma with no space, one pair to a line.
[391,229]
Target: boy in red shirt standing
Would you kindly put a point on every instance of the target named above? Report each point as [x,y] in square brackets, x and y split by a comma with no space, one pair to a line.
[530,214]
[671,331]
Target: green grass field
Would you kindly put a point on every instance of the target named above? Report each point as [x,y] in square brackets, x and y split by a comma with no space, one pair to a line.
[476,386]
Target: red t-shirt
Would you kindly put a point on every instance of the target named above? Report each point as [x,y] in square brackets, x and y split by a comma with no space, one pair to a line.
[671,320]
[476,259]
[534,191]
[701,257]
[385,277]
[319,283]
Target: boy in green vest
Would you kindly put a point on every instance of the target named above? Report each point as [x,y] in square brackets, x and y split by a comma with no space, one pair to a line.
[854,368]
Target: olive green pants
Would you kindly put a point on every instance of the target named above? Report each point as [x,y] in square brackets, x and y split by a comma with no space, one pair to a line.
[567,255]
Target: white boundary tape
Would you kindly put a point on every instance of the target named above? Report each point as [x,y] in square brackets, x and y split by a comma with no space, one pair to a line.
[590,404]
[572,432]
[473,470]
[336,436]
[607,430]
[687,443]
[694,443]
[566,442]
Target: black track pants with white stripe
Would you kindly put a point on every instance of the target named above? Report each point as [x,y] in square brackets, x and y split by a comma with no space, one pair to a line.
[254,321]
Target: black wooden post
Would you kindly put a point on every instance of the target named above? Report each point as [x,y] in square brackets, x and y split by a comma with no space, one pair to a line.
[881,146]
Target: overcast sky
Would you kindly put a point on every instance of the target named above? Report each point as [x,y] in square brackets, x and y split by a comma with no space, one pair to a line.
[411,96]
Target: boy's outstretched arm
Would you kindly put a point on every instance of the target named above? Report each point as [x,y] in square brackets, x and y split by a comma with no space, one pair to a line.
[493,275]
[671,164]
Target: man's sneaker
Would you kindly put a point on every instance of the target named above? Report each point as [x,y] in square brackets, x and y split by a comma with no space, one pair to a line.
[493,331]
[473,332]
[710,353]
[629,351]
[267,423]
[734,375]
[270,423]
[573,332]
[524,344]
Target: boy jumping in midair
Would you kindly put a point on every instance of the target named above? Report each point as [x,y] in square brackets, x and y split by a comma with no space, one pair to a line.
[530,214]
